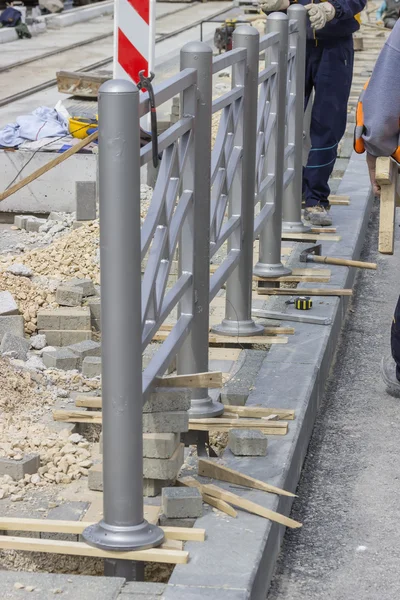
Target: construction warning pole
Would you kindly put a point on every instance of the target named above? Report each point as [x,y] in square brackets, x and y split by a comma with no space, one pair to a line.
[123,526]
[292,196]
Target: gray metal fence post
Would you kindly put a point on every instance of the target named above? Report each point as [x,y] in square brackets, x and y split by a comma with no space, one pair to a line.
[238,321]
[123,526]
[193,356]
[292,196]
[269,264]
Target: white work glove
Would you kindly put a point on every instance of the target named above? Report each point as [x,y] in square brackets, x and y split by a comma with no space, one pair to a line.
[320,14]
[274,5]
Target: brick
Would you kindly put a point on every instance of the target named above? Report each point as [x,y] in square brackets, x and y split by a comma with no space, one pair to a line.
[17,469]
[166,422]
[181,502]
[160,445]
[247,442]
[60,359]
[91,366]
[94,305]
[20,221]
[84,349]
[70,319]
[164,468]
[168,399]
[85,200]
[86,285]
[19,346]
[166,522]
[8,306]
[33,224]
[67,295]
[12,324]
[65,338]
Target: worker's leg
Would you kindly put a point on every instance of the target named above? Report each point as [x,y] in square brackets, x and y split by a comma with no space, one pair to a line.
[332,83]
[390,367]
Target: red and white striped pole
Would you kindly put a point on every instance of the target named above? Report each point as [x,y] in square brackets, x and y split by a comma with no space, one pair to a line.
[134,38]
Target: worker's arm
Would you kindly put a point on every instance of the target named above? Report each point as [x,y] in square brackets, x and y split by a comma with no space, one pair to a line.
[381,102]
[347,9]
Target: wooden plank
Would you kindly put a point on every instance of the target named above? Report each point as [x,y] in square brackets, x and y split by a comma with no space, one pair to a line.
[304,292]
[387,216]
[220,505]
[81,549]
[224,353]
[384,171]
[238,423]
[323,229]
[77,527]
[335,200]
[312,237]
[213,338]
[294,279]
[48,166]
[77,416]
[260,425]
[259,411]
[214,470]
[268,330]
[252,507]
[199,380]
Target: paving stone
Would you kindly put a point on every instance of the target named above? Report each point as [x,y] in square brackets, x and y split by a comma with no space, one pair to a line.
[91,366]
[64,337]
[33,224]
[166,522]
[12,324]
[168,468]
[168,399]
[16,345]
[69,296]
[166,422]
[60,359]
[182,502]
[84,349]
[67,511]
[86,285]
[64,319]
[8,306]
[20,221]
[135,588]
[247,442]
[85,200]
[17,469]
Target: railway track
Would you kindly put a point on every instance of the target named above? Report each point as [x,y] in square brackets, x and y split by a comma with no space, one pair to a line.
[98,64]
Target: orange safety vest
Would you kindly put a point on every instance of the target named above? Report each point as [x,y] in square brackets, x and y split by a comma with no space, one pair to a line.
[359,129]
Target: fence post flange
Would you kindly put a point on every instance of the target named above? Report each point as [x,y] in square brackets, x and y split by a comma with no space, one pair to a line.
[123,526]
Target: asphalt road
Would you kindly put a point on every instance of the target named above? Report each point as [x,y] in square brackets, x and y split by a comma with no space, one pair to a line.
[349,492]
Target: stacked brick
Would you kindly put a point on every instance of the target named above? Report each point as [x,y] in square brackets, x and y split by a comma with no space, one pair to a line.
[165,417]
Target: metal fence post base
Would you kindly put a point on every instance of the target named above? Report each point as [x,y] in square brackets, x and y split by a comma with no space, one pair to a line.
[112,537]
[131,570]
[295,227]
[238,328]
[204,408]
[270,270]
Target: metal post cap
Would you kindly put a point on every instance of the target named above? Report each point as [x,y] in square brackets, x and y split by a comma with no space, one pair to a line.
[297,8]
[277,16]
[118,86]
[196,47]
[246,30]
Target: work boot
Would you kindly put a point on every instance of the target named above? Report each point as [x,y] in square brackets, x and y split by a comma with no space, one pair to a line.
[388,373]
[318,216]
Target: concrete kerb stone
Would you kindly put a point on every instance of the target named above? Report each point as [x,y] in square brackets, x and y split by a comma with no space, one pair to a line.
[168,399]
[86,285]
[166,422]
[247,442]
[60,359]
[64,319]
[85,349]
[15,346]
[181,502]
[91,366]
[12,324]
[65,337]
[155,445]
[68,295]
[17,469]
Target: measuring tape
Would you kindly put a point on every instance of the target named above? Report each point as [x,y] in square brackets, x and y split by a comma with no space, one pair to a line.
[301,302]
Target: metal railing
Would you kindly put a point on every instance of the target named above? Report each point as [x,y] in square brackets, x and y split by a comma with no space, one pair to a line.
[206,199]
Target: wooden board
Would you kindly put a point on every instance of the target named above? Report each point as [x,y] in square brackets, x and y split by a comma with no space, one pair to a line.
[81,83]
[8,542]
[304,292]
[214,470]
[198,380]
[220,505]
[387,177]
[257,412]
[77,528]
[239,423]
[222,339]
[268,330]
[295,279]
[335,200]
[312,237]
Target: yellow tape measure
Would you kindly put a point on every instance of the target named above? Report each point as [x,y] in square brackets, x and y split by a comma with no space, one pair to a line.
[301,302]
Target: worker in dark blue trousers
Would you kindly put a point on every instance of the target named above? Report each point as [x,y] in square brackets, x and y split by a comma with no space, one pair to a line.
[329,71]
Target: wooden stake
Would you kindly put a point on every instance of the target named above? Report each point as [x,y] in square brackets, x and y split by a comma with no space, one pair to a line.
[304,292]
[387,177]
[80,549]
[257,412]
[339,200]
[214,470]
[48,166]
[199,380]
[220,505]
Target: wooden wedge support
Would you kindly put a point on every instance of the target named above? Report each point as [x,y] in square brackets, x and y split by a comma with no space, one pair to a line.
[339,200]
[77,416]
[214,502]
[199,380]
[257,412]
[221,424]
[77,527]
[312,237]
[48,166]
[214,470]
[304,292]
[269,330]
[159,555]
[388,178]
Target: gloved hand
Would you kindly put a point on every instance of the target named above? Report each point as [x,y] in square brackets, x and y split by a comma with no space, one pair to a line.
[320,14]
[274,5]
